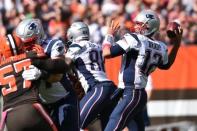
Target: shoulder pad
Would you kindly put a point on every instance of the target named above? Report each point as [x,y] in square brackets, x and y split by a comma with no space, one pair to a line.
[55,43]
[74,45]
[133,40]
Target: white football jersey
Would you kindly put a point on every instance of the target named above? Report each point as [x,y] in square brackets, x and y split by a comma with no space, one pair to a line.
[142,57]
[89,63]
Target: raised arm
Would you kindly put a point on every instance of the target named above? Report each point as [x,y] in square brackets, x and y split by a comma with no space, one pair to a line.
[175,41]
[109,40]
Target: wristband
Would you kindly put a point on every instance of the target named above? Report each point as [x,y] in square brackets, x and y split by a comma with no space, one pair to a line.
[106,45]
[108,41]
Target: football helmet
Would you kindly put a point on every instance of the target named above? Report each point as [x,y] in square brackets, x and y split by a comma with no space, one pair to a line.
[30,30]
[146,23]
[10,45]
[78,31]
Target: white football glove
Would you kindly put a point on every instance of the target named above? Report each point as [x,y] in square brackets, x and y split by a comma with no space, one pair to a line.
[33,73]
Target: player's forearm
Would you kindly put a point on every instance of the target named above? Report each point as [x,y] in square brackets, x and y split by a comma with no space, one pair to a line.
[110,49]
[171,58]
[106,45]
[114,51]
[176,42]
[53,66]
[106,52]
[172,55]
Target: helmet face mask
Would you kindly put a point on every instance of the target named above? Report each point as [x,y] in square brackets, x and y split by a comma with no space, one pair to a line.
[149,23]
[78,31]
[140,28]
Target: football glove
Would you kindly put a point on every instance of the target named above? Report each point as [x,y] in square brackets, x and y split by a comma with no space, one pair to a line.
[33,73]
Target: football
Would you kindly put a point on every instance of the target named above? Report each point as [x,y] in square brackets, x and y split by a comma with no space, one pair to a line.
[171,27]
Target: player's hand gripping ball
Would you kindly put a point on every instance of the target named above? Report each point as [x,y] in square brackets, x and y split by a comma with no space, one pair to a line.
[172,26]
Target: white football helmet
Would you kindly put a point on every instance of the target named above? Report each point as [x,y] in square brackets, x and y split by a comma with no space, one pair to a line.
[149,22]
[29,30]
[78,31]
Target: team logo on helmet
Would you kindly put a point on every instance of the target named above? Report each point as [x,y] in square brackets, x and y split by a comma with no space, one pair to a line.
[149,16]
[32,26]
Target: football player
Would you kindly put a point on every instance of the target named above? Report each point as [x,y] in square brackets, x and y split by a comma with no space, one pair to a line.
[88,60]
[141,55]
[58,97]
[22,110]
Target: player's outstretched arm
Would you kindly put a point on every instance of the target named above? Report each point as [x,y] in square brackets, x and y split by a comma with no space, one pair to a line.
[52,65]
[113,27]
[175,41]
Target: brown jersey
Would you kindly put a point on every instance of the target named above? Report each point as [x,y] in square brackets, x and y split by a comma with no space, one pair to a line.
[15,89]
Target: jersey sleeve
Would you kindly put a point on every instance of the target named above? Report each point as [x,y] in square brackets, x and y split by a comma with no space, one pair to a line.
[55,48]
[116,50]
[73,51]
[128,42]
[165,60]
[165,53]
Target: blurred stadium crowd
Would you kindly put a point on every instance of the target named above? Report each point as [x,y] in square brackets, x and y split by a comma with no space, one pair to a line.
[57,15]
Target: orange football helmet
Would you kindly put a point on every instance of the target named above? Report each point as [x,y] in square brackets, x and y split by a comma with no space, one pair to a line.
[10,45]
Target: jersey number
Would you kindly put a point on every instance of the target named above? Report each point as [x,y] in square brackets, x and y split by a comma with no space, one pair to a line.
[147,67]
[97,60]
[10,80]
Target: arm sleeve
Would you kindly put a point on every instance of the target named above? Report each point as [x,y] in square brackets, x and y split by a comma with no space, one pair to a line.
[165,55]
[116,50]
[165,60]
[128,42]
[55,48]
[51,66]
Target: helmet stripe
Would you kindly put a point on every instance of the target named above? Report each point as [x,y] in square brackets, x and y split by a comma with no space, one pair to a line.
[12,44]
